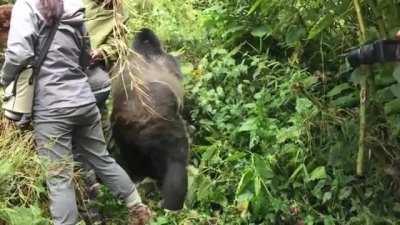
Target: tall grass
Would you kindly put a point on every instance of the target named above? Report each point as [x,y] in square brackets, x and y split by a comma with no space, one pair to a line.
[22,192]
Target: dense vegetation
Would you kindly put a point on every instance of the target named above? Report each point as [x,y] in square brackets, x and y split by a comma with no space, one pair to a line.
[276,111]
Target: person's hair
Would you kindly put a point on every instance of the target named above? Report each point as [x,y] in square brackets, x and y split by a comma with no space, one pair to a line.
[51,10]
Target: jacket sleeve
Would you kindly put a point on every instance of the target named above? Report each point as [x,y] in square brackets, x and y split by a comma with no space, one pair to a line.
[112,43]
[20,45]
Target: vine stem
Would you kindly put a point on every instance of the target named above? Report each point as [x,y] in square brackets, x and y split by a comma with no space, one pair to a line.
[363,96]
[379,19]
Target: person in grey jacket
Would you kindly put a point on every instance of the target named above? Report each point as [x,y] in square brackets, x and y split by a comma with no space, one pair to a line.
[64,108]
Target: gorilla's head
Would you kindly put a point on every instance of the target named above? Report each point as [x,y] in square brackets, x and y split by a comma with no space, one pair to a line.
[147,44]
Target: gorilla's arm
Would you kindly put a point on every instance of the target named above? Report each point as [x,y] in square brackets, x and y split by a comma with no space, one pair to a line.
[165,101]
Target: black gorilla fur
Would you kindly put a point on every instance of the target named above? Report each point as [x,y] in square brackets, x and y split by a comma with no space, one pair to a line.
[153,143]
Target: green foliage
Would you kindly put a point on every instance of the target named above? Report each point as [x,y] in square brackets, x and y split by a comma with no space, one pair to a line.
[268,153]
[176,21]
[21,179]
[23,216]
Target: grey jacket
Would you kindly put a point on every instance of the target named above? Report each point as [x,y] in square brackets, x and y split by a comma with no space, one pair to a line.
[61,82]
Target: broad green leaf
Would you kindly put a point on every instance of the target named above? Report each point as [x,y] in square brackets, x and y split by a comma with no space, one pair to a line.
[384,78]
[220,91]
[395,88]
[318,174]
[321,25]
[243,202]
[385,94]
[310,220]
[204,188]
[327,197]
[345,193]
[161,220]
[396,207]
[249,125]
[286,134]
[396,73]
[294,35]
[261,31]
[259,204]
[329,220]
[310,81]
[356,76]
[211,155]
[346,101]
[245,183]
[187,68]
[338,90]
[303,105]
[263,170]
[392,107]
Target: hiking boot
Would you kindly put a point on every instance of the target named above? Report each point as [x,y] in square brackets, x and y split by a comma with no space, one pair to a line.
[139,214]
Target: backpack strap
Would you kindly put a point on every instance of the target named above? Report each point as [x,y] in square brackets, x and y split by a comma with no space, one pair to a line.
[38,62]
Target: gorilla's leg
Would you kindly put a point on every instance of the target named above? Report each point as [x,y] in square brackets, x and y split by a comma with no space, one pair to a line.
[175,181]
[174,186]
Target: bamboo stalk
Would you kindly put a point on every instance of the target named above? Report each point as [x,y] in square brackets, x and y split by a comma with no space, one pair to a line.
[360,19]
[379,19]
[363,96]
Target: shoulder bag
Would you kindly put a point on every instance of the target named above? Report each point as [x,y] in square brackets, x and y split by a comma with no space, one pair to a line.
[19,94]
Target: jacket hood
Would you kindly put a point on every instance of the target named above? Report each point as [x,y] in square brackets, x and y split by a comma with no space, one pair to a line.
[74,12]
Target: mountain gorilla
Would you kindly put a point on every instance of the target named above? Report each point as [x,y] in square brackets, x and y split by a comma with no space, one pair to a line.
[153,143]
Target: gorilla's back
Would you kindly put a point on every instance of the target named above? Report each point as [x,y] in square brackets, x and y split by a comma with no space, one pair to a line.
[156,115]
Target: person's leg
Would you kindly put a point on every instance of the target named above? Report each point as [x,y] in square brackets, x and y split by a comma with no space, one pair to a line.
[53,139]
[89,211]
[89,140]
[105,123]
[87,173]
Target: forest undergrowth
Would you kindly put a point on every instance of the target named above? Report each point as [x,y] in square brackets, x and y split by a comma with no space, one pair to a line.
[276,110]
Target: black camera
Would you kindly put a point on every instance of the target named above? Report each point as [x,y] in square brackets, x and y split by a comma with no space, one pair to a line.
[376,52]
